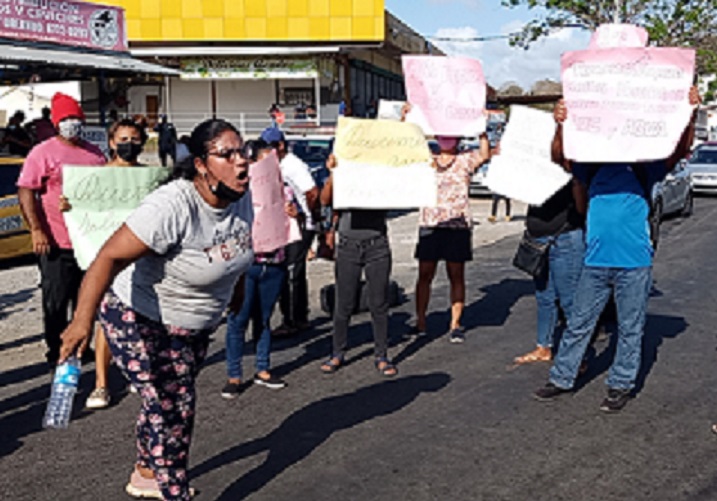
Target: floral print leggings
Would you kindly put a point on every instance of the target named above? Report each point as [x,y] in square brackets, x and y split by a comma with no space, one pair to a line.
[162,363]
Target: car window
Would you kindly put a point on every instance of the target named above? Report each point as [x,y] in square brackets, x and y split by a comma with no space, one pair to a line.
[704,156]
[8,178]
[311,151]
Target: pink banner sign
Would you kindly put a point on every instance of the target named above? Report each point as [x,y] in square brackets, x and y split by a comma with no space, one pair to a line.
[79,24]
[447,95]
[271,223]
[609,36]
[626,105]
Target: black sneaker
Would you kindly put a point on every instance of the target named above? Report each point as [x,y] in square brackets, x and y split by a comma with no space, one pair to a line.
[615,400]
[456,336]
[272,382]
[549,392]
[232,390]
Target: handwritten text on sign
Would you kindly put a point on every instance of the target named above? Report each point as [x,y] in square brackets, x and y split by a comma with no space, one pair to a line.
[524,170]
[271,223]
[101,199]
[626,105]
[447,95]
[382,164]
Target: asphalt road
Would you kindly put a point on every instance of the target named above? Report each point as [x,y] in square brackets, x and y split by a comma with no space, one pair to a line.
[458,423]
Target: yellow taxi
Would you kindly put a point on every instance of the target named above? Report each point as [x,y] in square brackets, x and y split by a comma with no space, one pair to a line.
[14,235]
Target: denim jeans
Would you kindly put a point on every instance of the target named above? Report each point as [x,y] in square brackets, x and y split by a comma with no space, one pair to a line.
[373,257]
[565,262]
[631,289]
[263,284]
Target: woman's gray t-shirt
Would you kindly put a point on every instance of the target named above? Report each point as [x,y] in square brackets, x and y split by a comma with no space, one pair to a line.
[199,254]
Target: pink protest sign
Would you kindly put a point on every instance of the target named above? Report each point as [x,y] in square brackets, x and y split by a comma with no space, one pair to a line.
[271,223]
[626,105]
[66,22]
[609,36]
[447,95]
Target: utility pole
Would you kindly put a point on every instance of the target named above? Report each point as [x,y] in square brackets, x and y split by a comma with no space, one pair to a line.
[618,8]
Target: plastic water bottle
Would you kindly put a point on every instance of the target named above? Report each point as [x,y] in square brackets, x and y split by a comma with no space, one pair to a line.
[64,387]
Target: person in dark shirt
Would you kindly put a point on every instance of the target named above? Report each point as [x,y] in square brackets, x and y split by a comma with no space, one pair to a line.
[363,248]
[16,137]
[41,128]
[559,220]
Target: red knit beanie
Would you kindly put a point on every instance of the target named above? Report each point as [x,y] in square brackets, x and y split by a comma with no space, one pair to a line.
[64,106]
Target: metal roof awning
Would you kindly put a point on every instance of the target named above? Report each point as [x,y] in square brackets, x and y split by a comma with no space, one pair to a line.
[111,63]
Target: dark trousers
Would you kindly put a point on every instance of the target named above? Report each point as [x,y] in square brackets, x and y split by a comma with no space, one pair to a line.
[61,279]
[496,200]
[294,302]
[373,257]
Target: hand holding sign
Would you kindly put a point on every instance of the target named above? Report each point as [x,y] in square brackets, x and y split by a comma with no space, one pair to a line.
[382,164]
[626,105]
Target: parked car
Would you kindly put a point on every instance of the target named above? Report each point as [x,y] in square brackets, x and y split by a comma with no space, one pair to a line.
[702,166]
[671,196]
[314,150]
[15,238]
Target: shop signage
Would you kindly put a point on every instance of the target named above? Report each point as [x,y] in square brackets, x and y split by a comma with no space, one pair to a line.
[249,68]
[79,24]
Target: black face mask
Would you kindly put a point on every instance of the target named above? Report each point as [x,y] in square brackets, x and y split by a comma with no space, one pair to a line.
[129,152]
[224,192]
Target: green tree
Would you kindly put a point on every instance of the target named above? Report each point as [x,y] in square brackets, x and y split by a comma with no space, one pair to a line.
[670,23]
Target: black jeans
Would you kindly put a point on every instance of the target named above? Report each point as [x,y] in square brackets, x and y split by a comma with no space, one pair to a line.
[494,209]
[294,301]
[61,279]
[373,257]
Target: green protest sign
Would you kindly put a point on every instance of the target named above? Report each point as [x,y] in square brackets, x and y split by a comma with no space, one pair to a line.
[101,199]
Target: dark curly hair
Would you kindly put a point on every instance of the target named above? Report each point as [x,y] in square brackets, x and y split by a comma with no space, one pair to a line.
[200,142]
[126,122]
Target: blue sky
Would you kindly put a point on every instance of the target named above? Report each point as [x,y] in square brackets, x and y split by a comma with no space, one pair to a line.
[471,18]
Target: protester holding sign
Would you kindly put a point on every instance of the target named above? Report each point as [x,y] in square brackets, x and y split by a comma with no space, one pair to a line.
[126,140]
[163,281]
[618,262]
[445,230]
[363,248]
[40,187]
[261,286]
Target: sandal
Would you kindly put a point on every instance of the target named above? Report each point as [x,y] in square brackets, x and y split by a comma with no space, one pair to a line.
[532,357]
[385,367]
[332,365]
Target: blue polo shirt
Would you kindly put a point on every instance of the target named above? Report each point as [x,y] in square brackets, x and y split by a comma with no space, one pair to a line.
[618,231]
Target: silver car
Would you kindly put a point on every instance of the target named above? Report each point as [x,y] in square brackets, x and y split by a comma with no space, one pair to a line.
[702,166]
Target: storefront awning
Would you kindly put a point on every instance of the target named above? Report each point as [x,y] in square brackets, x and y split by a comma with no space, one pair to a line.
[64,58]
[208,50]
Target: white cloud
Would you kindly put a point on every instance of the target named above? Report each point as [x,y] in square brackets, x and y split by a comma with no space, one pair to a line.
[503,63]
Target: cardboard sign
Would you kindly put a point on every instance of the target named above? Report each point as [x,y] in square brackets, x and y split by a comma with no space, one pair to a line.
[102,198]
[609,36]
[271,223]
[382,164]
[626,105]
[524,170]
[447,95]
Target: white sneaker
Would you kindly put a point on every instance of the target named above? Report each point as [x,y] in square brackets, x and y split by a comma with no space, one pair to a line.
[98,399]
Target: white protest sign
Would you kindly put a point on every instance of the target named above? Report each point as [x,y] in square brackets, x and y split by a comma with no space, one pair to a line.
[618,35]
[382,164]
[626,105]
[101,199]
[390,110]
[524,170]
[447,95]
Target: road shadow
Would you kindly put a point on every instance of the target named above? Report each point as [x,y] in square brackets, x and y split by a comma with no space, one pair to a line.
[306,429]
[8,301]
[16,343]
[657,329]
[7,264]
[22,374]
[494,308]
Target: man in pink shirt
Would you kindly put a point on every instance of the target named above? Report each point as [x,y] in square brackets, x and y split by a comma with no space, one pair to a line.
[40,187]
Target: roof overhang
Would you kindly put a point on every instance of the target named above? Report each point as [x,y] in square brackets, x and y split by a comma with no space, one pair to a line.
[46,58]
[235,51]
